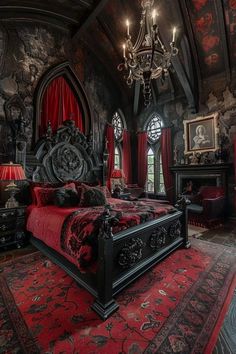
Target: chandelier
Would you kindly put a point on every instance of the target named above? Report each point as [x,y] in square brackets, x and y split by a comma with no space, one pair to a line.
[148,58]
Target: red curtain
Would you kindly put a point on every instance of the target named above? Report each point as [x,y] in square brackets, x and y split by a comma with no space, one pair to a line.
[142,159]
[166,153]
[59,103]
[126,157]
[111,151]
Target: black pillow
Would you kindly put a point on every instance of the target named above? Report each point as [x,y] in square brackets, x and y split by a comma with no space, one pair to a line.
[66,197]
[93,197]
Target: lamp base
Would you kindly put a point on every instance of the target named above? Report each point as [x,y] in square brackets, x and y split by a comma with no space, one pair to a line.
[11,203]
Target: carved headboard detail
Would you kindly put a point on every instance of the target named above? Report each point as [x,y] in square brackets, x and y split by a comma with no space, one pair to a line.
[66,155]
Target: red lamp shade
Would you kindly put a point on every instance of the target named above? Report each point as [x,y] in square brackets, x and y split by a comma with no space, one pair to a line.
[12,172]
[117,174]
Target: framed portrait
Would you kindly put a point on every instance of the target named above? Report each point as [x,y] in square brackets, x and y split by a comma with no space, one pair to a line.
[200,134]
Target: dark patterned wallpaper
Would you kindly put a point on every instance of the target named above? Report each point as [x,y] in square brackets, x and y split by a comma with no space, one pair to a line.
[26,53]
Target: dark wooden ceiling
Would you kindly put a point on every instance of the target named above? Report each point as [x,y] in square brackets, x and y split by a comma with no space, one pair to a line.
[206,38]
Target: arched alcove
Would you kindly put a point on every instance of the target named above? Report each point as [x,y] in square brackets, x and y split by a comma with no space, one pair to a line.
[68,78]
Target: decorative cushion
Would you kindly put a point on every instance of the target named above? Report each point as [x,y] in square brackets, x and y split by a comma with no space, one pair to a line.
[91,196]
[42,185]
[66,197]
[45,196]
[105,191]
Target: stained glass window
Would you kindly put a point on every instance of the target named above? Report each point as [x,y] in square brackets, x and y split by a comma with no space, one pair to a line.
[155,179]
[154,128]
[118,125]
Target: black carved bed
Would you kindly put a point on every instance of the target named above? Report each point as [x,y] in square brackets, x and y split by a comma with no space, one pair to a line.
[122,257]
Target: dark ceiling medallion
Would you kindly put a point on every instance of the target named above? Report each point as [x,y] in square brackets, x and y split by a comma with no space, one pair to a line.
[148,58]
[158,238]
[131,253]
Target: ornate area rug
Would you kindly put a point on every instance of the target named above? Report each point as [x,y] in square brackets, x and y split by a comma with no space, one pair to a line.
[173,308]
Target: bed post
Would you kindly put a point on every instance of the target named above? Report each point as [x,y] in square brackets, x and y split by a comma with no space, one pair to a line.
[104,304]
[181,205]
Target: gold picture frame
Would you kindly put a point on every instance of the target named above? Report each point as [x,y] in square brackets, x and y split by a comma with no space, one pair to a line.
[201,134]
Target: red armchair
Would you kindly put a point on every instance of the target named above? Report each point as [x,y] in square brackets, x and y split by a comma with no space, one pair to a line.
[208,207]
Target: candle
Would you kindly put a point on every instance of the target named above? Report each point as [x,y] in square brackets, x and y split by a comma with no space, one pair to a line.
[127,24]
[154,15]
[124,50]
[174,32]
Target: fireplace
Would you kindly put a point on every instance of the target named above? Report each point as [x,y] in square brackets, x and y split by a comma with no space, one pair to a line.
[199,175]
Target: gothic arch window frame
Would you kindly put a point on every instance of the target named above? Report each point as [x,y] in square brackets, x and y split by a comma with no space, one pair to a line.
[155,146]
[65,70]
[118,141]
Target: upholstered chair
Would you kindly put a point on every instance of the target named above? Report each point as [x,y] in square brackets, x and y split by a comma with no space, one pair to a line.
[208,207]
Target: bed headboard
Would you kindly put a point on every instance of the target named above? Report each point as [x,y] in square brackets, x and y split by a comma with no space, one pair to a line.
[66,155]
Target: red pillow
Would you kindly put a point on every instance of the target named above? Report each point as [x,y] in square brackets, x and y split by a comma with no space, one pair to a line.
[42,185]
[45,196]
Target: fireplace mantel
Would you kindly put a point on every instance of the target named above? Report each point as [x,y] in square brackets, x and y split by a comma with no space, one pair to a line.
[201,175]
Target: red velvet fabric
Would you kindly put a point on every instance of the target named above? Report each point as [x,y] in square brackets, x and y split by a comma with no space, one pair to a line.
[59,103]
[126,157]
[75,235]
[166,148]
[211,192]
[45,196]
[142,159]
[111,151]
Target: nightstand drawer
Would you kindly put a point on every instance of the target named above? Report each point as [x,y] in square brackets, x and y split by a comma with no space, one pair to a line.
[6,239]
[5,226]
[7,214]
[12,226]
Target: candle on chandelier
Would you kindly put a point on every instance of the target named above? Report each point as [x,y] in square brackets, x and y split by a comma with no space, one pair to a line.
[154,17]
[174,32]
[124,50]
[127,24]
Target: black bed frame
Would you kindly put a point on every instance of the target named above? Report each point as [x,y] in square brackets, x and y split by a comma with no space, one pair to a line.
[122,257]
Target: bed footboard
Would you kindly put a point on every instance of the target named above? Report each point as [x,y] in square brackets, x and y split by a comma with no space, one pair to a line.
[125,256]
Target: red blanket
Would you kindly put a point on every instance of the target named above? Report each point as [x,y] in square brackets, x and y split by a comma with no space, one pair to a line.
[79,227]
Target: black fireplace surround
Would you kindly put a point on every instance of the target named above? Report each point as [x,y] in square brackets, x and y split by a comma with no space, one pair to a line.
[200,175]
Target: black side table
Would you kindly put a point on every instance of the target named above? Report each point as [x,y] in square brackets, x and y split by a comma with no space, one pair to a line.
[12,226]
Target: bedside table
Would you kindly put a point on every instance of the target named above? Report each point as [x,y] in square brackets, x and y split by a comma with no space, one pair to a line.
[12,226]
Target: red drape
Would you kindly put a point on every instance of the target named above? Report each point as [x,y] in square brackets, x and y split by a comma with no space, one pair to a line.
[166,153]
[142,159]
[59,103]
[111,151]
[126,157]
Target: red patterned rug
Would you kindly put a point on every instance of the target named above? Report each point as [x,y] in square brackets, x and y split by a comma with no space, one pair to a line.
[172,309]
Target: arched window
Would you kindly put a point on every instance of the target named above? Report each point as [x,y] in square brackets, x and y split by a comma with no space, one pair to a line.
[151,169]
[155,181]
[118,124]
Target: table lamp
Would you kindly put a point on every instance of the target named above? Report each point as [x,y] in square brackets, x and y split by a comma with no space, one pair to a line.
[117,180]
[12,172]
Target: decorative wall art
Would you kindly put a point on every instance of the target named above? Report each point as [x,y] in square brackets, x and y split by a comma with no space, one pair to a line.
[201,134]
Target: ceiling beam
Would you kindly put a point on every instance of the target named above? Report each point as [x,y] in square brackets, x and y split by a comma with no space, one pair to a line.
[137,86]
[223,38]
[89,20]
[26,12]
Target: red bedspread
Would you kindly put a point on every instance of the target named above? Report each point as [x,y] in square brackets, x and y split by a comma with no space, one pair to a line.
[78,227]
